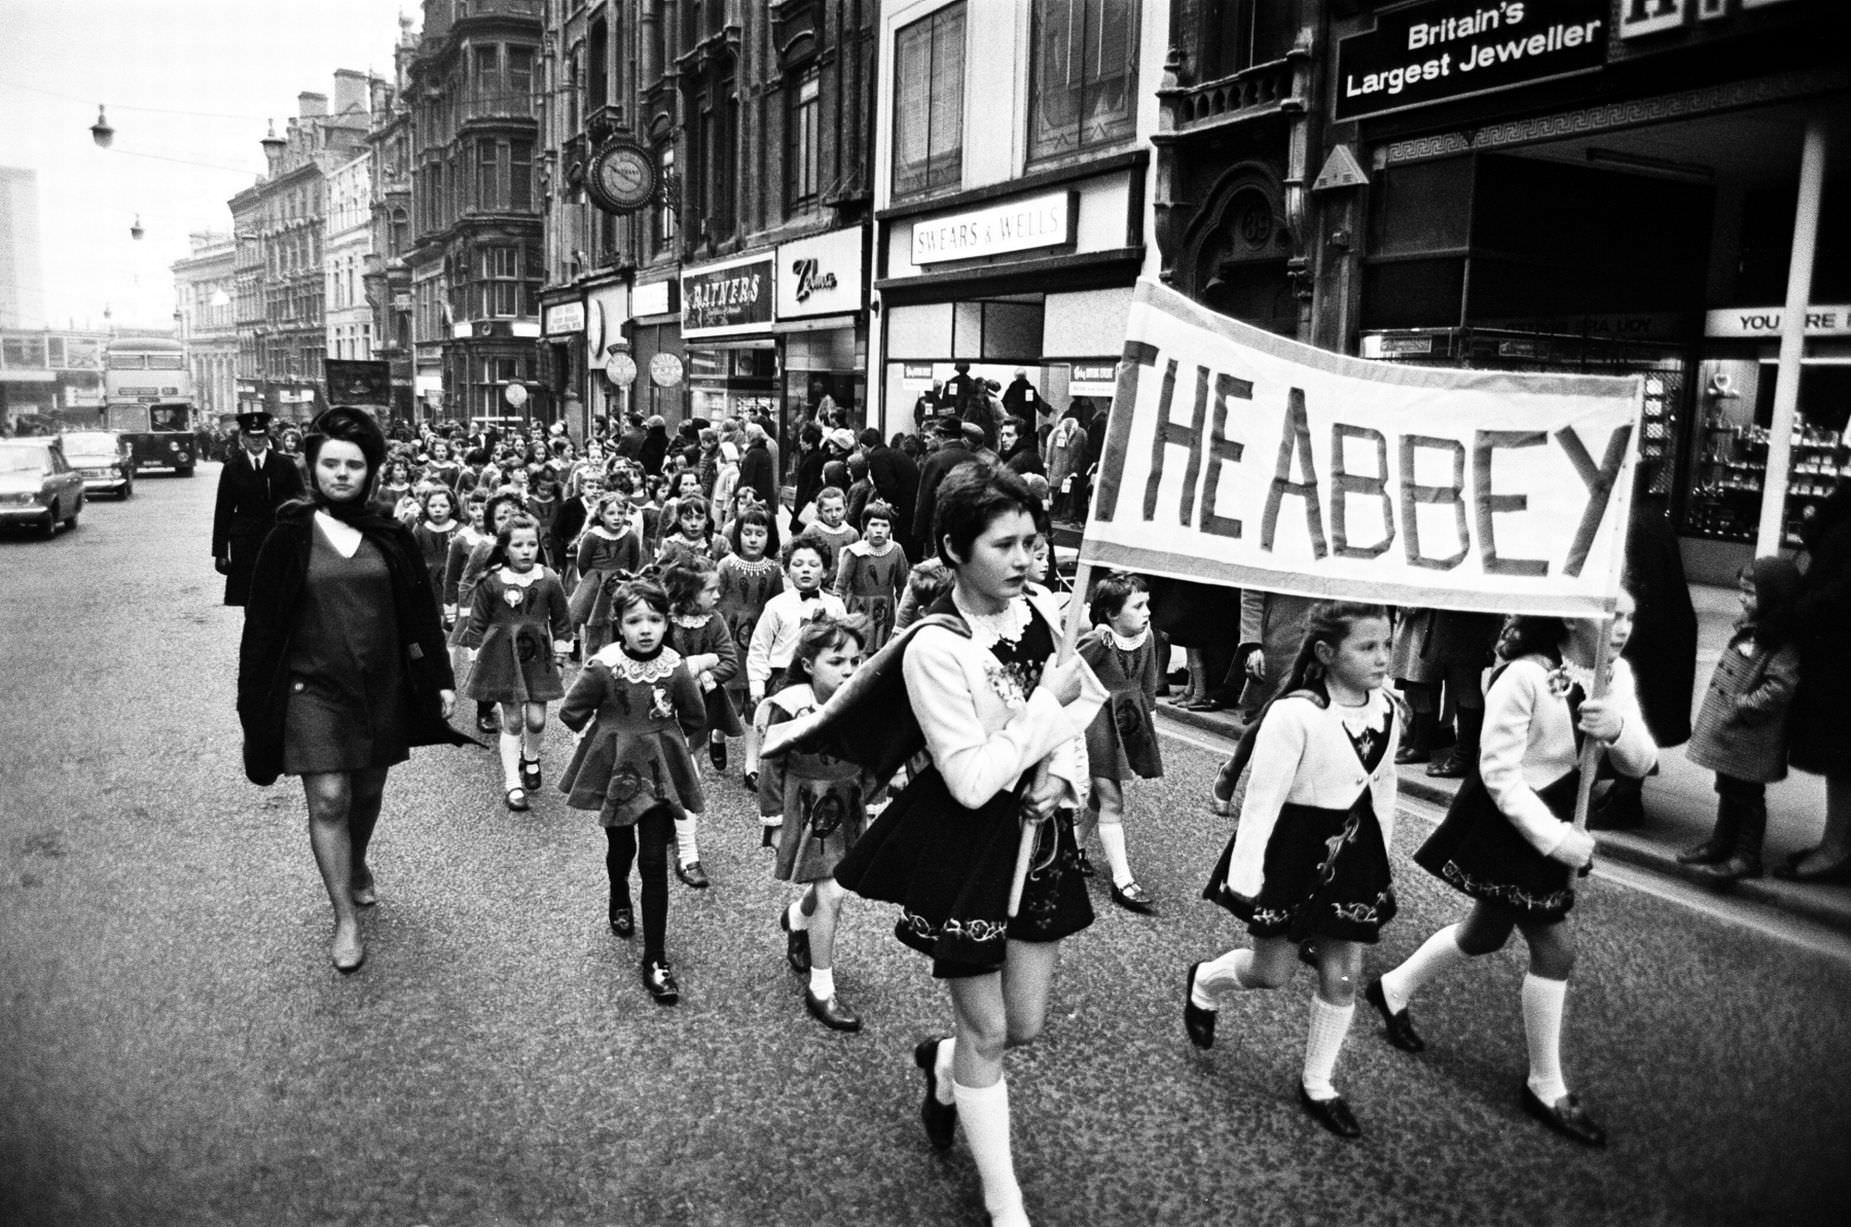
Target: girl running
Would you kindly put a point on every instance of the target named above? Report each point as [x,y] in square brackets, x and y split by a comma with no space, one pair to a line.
[871,574]
[517,606]
[608,550]
[1122,739]
[460,580]
[1310,859]
[1508,840]
[633,767]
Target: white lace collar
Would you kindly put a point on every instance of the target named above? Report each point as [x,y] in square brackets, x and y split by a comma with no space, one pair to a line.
[692,621]
[622,664]
[754,566]
[1005,626]
[515,579]
[1127,645]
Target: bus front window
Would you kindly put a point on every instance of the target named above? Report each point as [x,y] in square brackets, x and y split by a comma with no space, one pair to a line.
[129,418]
[169,417]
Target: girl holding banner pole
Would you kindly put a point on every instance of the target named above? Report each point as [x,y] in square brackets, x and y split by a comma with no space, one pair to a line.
[1310,860]
[1004,724]
[1511,840]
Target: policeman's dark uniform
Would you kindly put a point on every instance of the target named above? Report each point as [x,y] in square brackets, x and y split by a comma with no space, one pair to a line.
[250,491]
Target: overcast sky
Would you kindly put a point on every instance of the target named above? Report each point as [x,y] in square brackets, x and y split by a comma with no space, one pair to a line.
[189,85]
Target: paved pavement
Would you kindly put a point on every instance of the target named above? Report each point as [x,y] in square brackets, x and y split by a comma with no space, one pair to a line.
[178,1051]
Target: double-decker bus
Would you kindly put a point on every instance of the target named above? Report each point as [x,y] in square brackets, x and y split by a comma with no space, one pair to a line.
[148,400]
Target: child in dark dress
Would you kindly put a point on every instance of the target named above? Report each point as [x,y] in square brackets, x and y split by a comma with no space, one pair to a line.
[632,766]
[1310,859]
[522,630]
[1122,739]
[823,804]
[696,630]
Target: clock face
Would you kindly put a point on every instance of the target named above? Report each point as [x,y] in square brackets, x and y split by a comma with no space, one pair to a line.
[623,177]
[665,370]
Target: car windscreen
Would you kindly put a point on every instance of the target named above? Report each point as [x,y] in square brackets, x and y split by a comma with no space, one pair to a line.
[23,460]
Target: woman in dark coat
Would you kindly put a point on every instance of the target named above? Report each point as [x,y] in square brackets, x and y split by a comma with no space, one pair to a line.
[1821,721]
[655,446]
[342,667]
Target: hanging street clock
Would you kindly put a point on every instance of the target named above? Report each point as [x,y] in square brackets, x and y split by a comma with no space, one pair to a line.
[622,178]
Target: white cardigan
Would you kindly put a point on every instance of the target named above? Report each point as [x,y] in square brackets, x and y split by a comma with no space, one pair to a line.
[1303,756]
[1528,744]
[981,733]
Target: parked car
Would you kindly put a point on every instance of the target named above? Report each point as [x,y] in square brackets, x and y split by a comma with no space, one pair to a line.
[38,486]
[103,459]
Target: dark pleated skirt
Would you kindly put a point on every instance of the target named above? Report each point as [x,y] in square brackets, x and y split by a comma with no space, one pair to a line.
[1325,874]
[1479,852]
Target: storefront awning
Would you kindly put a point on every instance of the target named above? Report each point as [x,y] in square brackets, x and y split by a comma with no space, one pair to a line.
[822,323]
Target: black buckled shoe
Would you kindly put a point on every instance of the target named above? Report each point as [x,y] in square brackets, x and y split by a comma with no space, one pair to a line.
[796,944]
[1397,1023]
[940,1119]
[1566,1116]
[831,1012]
[694,875]
[1333,1114]
[530,774]
[716,754]
[1198,1022]
[1134,898]
[660,981]
[1083,864]
[623,922]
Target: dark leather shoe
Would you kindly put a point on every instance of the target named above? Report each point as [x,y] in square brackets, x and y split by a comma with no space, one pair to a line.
[796,945]
[1308,953]
[940,1119]
[693,875]
[768,836]
[1333,1114]
[488,724]
[530,774]
[1199,1023]
[1566,1117]
[1396,1023]
[1729,872]
[1453,767]
[751,781]
[1408,755]
[660,982]
[716,754]
[1083,864]
[831,1012]
[1134,898]
[623,922]
[1709,852]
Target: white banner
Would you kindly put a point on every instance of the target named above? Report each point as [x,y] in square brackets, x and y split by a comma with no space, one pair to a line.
[1237,457]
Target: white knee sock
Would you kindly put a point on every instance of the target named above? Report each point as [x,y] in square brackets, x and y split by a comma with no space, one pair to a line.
[511,758]
[1543,1004]
[1323,1041]
[799,923]
[941,1067]
[984,1113]
[1112,839]
[687,839]
[1437,954]
[1226,974]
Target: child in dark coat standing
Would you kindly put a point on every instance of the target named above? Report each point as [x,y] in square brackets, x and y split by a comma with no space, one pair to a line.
[1741,731]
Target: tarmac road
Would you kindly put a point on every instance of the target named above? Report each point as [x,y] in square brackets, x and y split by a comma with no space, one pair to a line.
[179,1051]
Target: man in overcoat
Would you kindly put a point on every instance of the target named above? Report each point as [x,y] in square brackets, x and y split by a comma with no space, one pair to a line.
[255,481]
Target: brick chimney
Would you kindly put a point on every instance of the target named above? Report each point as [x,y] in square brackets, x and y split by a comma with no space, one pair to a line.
[310,105]
[350,92]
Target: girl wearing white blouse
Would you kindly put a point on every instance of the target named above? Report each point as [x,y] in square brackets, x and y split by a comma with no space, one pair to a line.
[1005,726]
[1509,842]
[1310,859]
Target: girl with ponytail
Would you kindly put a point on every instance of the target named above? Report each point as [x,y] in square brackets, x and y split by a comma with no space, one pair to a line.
[1310,860]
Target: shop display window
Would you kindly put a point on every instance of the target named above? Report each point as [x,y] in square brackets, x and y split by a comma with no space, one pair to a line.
[1729,464]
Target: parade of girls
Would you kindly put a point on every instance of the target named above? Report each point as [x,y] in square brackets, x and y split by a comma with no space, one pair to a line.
[933,736]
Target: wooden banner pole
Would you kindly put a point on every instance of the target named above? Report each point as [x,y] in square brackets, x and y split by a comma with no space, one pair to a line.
[1590,747]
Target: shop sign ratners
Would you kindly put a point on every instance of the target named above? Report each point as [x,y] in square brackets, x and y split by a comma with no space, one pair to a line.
[731,297]
[1441,52]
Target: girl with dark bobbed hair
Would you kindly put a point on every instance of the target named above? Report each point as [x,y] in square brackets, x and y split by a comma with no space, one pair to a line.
[1004,726]
[342,667]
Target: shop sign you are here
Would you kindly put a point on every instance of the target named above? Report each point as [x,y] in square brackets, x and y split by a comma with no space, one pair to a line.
[1441,52]
[1236,457]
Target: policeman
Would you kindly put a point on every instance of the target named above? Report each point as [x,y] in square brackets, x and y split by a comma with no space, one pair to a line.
[253,484]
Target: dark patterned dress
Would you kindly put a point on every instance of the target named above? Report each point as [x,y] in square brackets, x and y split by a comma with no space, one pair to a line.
[822,799]
[515,626]
[951,868]
[745,586]
[634,757]
[871,584]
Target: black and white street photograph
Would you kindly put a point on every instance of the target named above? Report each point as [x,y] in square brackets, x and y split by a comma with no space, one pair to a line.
[933,613]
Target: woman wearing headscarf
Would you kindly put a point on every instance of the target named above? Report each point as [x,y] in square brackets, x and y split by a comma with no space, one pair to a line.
[342,667]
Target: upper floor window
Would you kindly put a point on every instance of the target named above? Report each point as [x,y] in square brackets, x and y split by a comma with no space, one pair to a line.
[520,79]
[669,200]
[802,148]
[928,119]
[1083,82]
[597,72]
[1238,34]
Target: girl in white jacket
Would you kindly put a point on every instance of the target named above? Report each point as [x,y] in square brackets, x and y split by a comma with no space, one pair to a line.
[1310,860]
[1509,842]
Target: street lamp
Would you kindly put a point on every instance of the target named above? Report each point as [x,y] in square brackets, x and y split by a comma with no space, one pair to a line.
[273,146]
[135,231]
[100,131]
